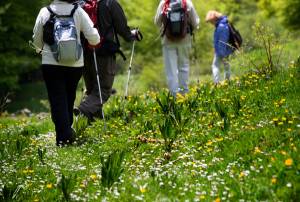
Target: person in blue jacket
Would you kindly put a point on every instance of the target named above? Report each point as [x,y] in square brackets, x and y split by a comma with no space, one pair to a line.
[221,44]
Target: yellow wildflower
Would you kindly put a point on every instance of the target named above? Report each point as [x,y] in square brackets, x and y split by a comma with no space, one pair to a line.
[218,200]
[143,188]
[288,162]
[283,152]
[93,177]
[243,97]
[180,98]
[274,180]
[242,174]
[209,143]
[257,150]
[282,101]
[49,185]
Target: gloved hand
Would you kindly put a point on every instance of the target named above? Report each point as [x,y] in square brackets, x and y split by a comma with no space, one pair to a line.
[137,34]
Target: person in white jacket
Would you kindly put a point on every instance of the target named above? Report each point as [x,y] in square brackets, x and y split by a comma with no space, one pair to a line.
[61,78]
[176,52]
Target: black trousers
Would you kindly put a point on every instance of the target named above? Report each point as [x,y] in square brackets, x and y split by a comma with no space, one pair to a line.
[91,104]
[61,83]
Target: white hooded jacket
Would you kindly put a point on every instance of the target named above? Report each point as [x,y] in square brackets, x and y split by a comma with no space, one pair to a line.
[83,24]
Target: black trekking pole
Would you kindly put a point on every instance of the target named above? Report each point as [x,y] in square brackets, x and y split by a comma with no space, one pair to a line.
[129,70]
[99,87]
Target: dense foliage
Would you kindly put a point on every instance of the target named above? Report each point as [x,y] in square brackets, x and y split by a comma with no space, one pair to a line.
[16,23]
[286,10]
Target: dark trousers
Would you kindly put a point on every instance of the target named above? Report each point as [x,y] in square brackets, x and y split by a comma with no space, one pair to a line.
[91,104]
[61,83]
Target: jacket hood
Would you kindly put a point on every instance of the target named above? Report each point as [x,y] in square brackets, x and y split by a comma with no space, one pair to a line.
[222,20]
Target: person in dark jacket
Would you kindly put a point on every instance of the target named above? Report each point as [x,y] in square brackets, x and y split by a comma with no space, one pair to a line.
[111,22]
[221,44]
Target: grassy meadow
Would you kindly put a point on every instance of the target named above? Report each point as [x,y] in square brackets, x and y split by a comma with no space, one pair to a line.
[239,141]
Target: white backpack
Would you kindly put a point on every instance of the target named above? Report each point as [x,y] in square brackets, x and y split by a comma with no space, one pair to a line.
[63,41]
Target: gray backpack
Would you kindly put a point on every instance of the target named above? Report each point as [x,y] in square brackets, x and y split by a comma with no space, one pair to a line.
[62,37]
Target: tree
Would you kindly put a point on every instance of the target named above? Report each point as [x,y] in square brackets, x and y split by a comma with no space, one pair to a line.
[288,11]
[16,24]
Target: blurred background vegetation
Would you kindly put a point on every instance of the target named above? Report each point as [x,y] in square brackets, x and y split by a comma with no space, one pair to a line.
[20,77]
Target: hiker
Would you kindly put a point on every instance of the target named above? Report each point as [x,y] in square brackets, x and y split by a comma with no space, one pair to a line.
[60,71]
[221,44]
[111,23]
[176,40]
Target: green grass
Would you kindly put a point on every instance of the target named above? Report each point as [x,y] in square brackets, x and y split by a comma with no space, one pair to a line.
[241,142]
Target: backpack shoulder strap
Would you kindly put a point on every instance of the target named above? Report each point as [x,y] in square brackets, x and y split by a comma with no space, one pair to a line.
[52,14]
[73,10]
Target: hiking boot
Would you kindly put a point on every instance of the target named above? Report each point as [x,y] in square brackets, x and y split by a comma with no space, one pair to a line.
[78,112]
[98,114]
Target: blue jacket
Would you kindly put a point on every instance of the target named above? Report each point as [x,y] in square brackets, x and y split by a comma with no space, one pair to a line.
[221,38]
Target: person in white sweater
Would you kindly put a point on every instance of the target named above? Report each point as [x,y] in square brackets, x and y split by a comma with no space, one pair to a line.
[61,78]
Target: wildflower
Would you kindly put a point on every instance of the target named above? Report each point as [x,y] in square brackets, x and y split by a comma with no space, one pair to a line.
[283,152]
[289,129]
[218,200]
[209,143]
[49,185]
[82,185]
[180,98]
[280,123]
[275,119]
[93,177]
[257,150]
[219,139]
[282,101]
[274,180]
[288,162]
[143,188]
[242,174]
